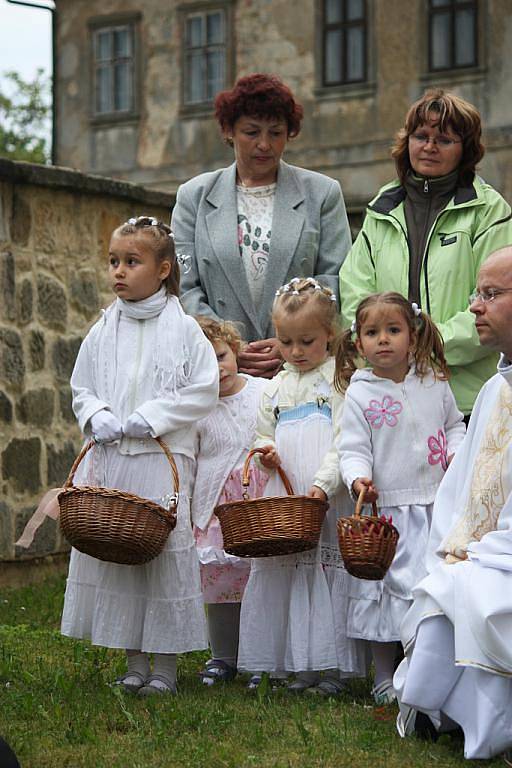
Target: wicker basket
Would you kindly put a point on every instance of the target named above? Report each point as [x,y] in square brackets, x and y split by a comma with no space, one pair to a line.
[367,543]
[273,525]
[115,525]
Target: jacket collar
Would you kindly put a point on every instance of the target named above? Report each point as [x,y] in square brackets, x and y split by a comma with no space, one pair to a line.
[392,195]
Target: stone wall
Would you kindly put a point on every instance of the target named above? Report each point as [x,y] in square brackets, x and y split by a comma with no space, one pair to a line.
[55,226]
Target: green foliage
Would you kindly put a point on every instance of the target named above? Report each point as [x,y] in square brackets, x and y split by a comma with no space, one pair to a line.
[24,116]
[58,709]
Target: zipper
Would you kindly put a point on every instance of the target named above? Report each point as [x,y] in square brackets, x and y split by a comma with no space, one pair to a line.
[426,187]
[424,263]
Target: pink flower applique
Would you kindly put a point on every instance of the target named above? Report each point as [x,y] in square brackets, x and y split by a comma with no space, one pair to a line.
[438,450]
[383,413]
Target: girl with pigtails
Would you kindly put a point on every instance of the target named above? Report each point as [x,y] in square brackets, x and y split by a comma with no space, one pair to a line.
[400,428]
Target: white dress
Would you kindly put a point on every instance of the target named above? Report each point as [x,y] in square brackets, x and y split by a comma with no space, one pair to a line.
[156,607]
[456,636]
[294,606]
[400,435]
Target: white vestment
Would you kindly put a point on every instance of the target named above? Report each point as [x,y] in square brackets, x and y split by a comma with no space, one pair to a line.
[457,634]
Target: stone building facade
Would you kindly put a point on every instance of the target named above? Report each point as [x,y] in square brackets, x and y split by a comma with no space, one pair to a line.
[135,80]
[55,226]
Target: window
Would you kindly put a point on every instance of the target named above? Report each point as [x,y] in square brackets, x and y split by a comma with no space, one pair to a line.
[452,34]
[205,55]
[114,70]
[344,32]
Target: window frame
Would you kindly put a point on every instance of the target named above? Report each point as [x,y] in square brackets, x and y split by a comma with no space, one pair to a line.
[110,23]
[343,25]
[453,6]
[203,9]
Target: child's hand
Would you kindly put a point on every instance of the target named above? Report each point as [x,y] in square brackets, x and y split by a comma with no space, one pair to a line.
[450,558]
[365,484]
[316,493]
[270,458]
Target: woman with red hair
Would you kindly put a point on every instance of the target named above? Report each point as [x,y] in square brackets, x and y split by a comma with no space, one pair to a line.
[251,227]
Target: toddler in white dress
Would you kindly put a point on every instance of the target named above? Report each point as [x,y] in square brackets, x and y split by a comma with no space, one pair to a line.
[399,430]
[294,606]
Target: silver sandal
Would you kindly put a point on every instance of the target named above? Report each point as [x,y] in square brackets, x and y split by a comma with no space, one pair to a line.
[130,687]
[156,690]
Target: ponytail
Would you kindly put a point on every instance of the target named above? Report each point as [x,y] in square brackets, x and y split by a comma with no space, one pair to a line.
[345,354]
[429,351]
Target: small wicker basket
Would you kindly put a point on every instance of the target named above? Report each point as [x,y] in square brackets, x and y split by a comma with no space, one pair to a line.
[272,525]
[367,543]
[114,525]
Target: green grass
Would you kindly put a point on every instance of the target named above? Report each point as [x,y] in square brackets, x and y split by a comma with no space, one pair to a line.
[58,711]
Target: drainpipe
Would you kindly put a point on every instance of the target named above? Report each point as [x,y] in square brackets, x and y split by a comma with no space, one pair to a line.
[53,12]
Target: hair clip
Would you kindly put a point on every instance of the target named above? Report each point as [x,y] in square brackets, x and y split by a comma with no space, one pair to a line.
[154,222]
[132,221]
[171,235]
[353,327]
[416,309]
[295,293]
[294,280]
[332,297]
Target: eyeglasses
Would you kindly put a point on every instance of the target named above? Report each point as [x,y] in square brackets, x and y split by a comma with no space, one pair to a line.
[443,142]
[488,295]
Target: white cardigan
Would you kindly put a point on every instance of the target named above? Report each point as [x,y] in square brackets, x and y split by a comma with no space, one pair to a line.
[173,419]
[291,388]
[225,435]
[399,435]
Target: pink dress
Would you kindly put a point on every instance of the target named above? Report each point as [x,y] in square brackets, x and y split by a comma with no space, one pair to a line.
[225,438]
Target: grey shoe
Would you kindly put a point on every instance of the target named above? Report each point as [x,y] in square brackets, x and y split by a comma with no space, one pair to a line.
[328,689]
[166,687]
[130,682]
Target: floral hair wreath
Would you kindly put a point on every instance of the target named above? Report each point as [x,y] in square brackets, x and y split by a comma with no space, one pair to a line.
[310,281]
[183,259]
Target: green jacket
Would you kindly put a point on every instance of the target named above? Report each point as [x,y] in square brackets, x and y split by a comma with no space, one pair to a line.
[476,222]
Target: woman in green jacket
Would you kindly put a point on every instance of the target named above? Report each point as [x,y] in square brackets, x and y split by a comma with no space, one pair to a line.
[426,234]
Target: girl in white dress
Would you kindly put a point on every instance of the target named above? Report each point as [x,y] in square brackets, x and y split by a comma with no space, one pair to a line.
[399,431]
[144,370]
[225,437]
[294,606]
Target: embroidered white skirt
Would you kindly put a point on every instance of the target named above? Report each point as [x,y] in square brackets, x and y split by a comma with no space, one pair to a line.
[293,615]
[376,608]
[156,607]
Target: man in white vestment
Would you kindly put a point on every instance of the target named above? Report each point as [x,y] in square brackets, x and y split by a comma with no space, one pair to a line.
[457,635]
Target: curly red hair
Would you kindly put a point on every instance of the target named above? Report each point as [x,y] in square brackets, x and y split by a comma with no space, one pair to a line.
[259,95]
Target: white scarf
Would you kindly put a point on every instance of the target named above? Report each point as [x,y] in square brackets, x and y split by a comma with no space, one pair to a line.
[171,357]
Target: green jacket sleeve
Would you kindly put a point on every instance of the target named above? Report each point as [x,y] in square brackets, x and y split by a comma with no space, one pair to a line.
[357,276]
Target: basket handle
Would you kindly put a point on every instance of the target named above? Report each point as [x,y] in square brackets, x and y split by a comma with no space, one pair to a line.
[246,480]
[87,447]
[359,505]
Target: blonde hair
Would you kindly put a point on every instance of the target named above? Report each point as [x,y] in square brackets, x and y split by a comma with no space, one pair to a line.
[304,292]
[428,351]
[163,242]
[222,330]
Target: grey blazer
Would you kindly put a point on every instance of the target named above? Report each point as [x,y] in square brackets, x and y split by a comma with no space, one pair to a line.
[310,237]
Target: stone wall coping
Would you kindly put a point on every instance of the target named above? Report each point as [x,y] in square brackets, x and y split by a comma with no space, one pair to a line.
[56,177]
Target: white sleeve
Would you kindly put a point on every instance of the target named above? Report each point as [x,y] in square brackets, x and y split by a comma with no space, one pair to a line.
[354,443]
[328,476]
[196,399]
[85,400]
[454,426]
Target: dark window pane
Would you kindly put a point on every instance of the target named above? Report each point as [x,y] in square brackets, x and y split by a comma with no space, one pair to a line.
[440,40]
[194,31]
[103,89]
[122,43]
[440,3]
[355,10]
[214,73]
[122,86]
[355,54]
[333,11]
[214,28]
[194,78]
[465,42]
[333,56]
[103,46]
